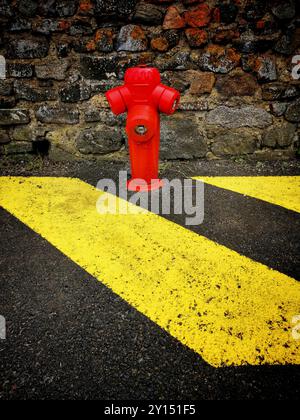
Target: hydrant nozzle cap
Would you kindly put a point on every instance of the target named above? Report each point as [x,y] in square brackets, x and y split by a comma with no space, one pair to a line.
[118,99]
[169,101]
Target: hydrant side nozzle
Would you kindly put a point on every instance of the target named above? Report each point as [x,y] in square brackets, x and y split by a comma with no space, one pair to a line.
[157,94]
[169,101]
[118,99]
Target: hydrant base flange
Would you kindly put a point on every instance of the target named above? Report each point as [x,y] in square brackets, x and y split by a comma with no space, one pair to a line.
[137,185]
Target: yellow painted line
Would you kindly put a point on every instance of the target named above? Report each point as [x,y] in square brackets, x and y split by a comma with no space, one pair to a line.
[227,308]
[283,191]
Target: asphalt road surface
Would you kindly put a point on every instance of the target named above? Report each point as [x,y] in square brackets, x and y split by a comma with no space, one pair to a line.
[69,336]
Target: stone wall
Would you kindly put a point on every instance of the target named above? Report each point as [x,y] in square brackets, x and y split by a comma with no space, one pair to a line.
[231,60]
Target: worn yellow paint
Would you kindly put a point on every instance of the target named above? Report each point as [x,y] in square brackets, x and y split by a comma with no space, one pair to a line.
[227,308]
[283,191]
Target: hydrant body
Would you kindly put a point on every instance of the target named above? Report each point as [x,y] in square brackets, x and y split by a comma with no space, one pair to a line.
[143,97]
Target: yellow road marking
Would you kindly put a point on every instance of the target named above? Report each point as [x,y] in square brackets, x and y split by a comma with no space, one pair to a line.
[283,191]
[227,308]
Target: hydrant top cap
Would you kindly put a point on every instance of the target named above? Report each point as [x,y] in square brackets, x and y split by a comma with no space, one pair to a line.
[142,76]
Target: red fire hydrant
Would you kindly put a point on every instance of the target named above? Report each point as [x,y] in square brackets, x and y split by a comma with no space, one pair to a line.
[143,97]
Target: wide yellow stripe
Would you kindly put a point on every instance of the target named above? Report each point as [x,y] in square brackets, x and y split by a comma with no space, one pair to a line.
[226,307]
[283,191]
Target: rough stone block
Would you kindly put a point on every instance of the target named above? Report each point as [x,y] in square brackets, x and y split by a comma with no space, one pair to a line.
[18,25]
[174,60]
[293,112]
[57,115]
[99,141]
[28,132]
[66,8]
[4,137]
[237,85]
[7,102]
[6,88]
[246,116]
[18,148]
[104,116]
[132,38]
[20,70]
[27,8]
[281,91]
[197,38]
[181,137]
[104,40]
[148,14]
[173,19]
[115,7]
[56,70]
[217,59]
[200,82]
[232,142]
[6,9]
[282,136]
[284,9]
[26,48]
[28,92]
[199,17]
[75,92]
[93,67]
[159,44]
[14,116]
